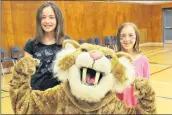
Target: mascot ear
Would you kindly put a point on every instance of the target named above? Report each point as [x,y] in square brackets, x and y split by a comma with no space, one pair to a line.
[124,72]
[70,44]
[124,55]
[64,59]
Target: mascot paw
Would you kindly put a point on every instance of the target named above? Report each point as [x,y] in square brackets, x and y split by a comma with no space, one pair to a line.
[26,65]
[142,87]
[145,95]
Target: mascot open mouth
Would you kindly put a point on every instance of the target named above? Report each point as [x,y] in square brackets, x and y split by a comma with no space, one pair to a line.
[90,77]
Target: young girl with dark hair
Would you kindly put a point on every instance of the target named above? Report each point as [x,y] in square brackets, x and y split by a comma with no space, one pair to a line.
[45,45]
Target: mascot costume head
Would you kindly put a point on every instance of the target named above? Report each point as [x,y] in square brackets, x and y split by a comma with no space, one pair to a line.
[91,76]
[93,70]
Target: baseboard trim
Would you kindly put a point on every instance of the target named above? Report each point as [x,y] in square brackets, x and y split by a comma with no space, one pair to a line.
[152,44]
[168,41]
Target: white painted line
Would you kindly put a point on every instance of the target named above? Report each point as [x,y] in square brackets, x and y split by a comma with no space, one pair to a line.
[163,51]
[5,86]
[167,83]
[152,50]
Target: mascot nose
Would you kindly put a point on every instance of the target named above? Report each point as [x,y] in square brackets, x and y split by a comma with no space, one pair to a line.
[95,55]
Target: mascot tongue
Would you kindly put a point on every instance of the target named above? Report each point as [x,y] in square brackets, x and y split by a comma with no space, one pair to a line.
[89,79]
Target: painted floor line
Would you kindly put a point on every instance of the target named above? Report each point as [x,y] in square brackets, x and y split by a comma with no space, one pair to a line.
[162,50]
[155,63]
[150,56]
[164,97]
[161,70]
[2,90]
[152,49]
[158,51]
[4,96]
[148,52]
[167,83]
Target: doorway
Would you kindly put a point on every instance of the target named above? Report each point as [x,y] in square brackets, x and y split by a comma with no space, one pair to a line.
[167,25]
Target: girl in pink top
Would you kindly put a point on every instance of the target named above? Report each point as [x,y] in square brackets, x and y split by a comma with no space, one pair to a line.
[128,41]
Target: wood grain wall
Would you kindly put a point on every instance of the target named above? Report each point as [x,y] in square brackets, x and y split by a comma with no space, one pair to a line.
[82,20]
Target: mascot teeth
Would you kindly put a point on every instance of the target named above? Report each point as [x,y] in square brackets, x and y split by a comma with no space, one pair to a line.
[84,72]
[97,78]
[90,77]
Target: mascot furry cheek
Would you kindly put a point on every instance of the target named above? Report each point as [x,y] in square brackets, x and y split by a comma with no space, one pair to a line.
[92,70]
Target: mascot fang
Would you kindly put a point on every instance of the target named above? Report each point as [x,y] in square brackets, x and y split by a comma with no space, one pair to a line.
[91,75]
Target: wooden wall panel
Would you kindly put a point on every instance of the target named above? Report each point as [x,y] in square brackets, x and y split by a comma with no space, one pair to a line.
[82,20]
[98,19]
[141,17]
[18,23]
[7,26]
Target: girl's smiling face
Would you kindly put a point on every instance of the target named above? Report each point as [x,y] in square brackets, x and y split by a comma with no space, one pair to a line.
[48,21]
[128,38]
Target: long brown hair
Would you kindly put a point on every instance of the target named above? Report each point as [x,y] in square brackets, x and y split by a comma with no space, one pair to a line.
[59,30]
[137,32]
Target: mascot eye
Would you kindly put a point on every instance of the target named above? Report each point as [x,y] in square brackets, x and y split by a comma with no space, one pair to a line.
[109,56]
[84,50]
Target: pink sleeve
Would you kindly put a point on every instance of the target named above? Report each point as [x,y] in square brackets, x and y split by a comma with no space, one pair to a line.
[146,69]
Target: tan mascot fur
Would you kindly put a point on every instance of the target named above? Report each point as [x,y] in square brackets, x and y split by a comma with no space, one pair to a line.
[90,74]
